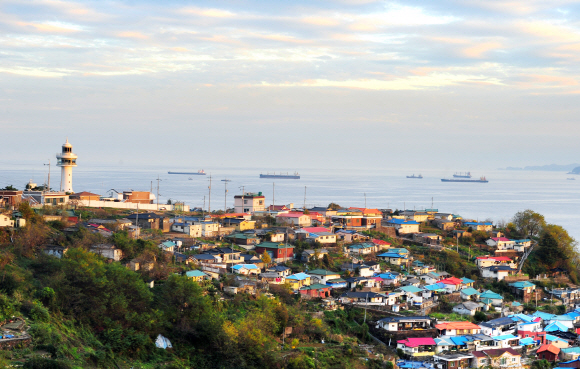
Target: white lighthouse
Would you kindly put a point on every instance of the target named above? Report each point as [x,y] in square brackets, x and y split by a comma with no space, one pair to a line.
[66,160]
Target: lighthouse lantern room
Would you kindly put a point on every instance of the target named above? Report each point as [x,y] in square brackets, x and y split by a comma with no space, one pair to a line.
[66,160]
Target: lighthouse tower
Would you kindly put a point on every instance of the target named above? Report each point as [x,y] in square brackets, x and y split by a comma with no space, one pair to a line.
[66,160]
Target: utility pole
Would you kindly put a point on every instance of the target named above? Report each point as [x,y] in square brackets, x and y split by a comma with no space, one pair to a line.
[365,200]
[226,196]
[158,192]
[273,195]
[49,177]
[151,187]
[209,203]
[243,192]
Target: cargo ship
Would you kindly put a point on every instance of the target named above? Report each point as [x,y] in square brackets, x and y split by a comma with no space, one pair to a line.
[462,175]
[480,180]
[281,175]
[414,176]
[200,172]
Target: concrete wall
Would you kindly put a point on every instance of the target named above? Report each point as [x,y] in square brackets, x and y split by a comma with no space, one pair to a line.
[125,205]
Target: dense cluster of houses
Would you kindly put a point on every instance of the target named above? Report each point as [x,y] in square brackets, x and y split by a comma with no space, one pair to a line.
[509,341]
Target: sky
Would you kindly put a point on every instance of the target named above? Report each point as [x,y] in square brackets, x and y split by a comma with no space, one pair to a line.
[291,84]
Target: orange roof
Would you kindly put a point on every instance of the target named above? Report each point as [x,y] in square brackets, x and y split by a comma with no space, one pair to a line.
[550,348]
[380,242]
[457,325]
[367,211]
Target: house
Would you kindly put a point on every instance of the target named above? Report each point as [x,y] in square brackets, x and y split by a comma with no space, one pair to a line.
[413,294]
[501,243]
[317,234]
[523,289]
[417,216]
[362,248]
[498,272]
[570,353]
[107,250]
[315,291]
[273,278]
[381,245]
[431,277]
[6,220]
[349,235]
[336,283]
[245,239]
[246,269]
[452,284]
[367,282]
[150,221]
[419,346]
[298,280]
[225,255]
[370,217]
[279,252]
[361,270]
[431,238]
[499,326]
[387,279]
[394,258]
[404,323]
[479,226]
[491,297]
[249,202]
[364,298]
[348,218]
[241,224]
[452,361]
[497,358]
[206,258]
[467,308]
[469,293]
[167,246]
[322,276]
[457,328]
[488,261]
[55,250]
[403,226]
[280,270]
[374,266]
[141,264]
[522,245]
[196,275]
[548,352]
[444,224]
[308,255]
[251,259]
[295,219]
[10,198]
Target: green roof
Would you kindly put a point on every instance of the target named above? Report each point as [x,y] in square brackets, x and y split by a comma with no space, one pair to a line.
[195,273]
[411,289]
[316,286]
[274,245]
[470,291]
[321,272]
[490,295]
[522,284]
[336,280]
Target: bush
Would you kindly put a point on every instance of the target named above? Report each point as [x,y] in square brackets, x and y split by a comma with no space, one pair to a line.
[42,363]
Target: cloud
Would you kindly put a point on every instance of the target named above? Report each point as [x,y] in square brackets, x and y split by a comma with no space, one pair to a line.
[480,50]
[208,12]
[51,27]
[132,34]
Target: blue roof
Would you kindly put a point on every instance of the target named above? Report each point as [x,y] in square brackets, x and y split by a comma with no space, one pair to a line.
[167,244]
[522,284]
[573,314]
[411,289]
[387,276]
[489,294]
[399,250]
[247,266]
[571,350]
[505,337]
[467,280]
[459,340]
[435,287]
[556,326]
[544,316]
[551,338]
[564,317]
[393,255]
[478,223]
[527,341]
[298,276]
[522,317]
[401,221]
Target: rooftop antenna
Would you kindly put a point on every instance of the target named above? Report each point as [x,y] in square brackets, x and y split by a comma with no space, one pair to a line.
[365,200]
[225,195]
[158,192]
[209,202]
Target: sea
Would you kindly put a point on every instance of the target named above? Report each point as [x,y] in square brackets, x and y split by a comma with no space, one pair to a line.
[548,193]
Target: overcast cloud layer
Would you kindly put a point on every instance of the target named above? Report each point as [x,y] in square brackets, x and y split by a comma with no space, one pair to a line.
[291,84]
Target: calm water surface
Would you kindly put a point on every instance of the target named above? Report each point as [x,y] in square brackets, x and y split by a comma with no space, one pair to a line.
[507,192]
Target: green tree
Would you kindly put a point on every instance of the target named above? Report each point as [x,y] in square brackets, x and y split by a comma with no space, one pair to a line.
[10,188]
[529,223]
[333,206]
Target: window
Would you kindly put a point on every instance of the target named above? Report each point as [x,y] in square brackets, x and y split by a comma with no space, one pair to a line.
[245,201]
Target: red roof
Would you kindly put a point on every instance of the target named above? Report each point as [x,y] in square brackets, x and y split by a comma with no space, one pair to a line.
[418,341]
[550,348]
[503,239]
[451,280]
[291,215]
[496,258]
[316,229]
[380,242]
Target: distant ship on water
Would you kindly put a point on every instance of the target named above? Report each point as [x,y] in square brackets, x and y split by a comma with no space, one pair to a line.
[462,175]
[200,172]
[480,180]
[281,175]
[414,176]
